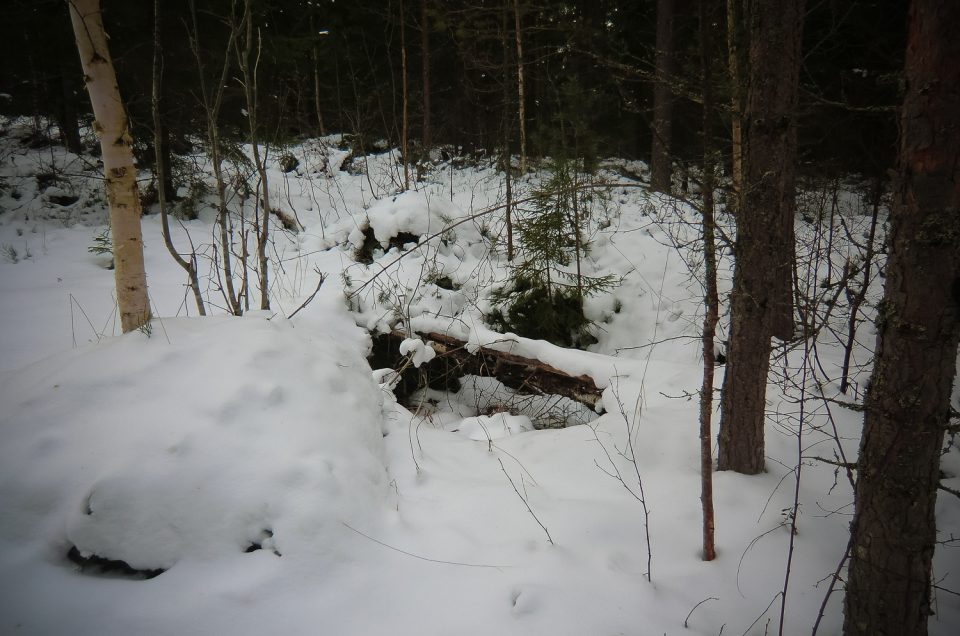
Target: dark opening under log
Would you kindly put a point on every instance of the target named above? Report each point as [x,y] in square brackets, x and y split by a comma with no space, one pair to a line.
[102,566]
[453,360]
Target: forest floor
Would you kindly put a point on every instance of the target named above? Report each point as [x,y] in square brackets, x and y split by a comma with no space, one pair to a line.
[270,473]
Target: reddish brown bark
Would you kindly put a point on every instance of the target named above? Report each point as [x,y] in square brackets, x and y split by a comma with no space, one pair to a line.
[761,301]
[894,530]
[711,299]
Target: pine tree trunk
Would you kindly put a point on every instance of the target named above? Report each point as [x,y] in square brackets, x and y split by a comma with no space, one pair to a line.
[743,403]
[770,147]
[660,157]
[761,301]
[425,73]
[315,60]
[907,405]
[736,60]
[67,113]
[505,123]
[404,124]
[115,143]
[521,89]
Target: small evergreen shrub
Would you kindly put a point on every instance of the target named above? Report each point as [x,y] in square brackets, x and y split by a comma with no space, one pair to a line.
[532,310]
[288,163]
[103,246]
[543,297]
[188,208]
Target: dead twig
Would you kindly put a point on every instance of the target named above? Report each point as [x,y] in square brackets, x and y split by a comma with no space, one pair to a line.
[712,598]
[525,502]
[323,277]
[422,558]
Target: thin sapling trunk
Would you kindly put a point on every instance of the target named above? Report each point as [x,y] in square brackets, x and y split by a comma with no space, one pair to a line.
[189,266]
[711,298]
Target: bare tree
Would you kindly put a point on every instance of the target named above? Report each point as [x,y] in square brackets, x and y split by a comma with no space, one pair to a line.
[711,298]
[857,298]
[907,404]
[116,145]
[189,266]
[212,99]
[249,67]
[761,301]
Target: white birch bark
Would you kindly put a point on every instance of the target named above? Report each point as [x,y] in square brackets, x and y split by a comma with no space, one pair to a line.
[117,153]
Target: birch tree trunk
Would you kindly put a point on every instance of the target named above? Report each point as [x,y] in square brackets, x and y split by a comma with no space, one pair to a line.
[116,146]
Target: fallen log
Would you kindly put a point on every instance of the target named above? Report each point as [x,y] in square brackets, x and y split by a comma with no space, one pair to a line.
[453,360]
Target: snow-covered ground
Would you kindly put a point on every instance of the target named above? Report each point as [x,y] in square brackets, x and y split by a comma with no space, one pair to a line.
[261,463]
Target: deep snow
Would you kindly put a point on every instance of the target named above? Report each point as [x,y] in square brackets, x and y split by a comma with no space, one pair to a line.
[184,447]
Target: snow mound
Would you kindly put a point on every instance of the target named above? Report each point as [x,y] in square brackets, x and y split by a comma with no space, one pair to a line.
[496,426]
[283,440]
[412,212]
[419,351]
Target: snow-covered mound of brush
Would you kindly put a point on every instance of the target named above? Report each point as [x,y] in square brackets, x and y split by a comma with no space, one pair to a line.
[208,438]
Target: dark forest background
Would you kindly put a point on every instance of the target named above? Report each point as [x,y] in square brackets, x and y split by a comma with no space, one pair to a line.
[588,68]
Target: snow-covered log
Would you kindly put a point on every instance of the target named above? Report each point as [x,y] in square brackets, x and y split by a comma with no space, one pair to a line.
[525,375]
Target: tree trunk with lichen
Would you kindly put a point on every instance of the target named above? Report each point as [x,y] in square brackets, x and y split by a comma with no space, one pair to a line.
[761,301]
[116,144]
[908,402]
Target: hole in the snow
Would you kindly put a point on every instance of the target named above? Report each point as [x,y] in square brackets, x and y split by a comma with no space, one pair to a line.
[482,399]
[63,200]
[264,541]
[371,247]
[483,407]
[96,565]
